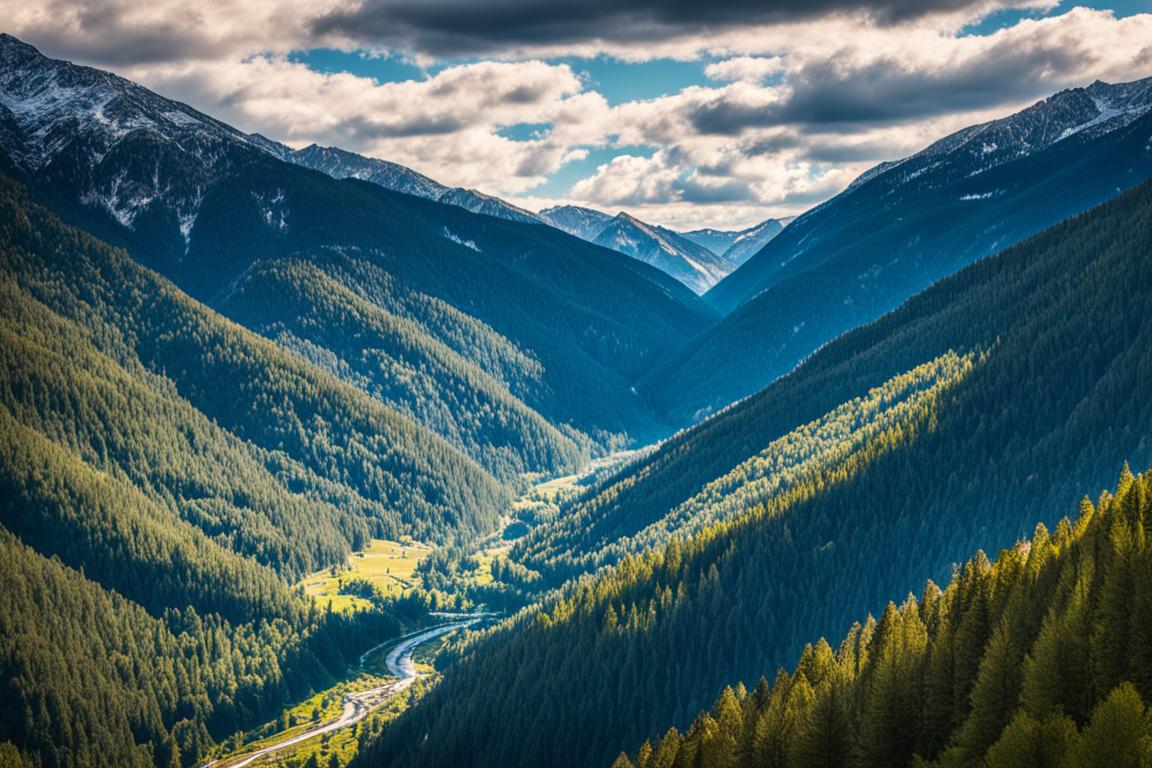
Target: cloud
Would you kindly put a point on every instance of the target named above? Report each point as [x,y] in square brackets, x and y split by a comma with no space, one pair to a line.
[753,69]
[468,27]
[927,75]
[118,33]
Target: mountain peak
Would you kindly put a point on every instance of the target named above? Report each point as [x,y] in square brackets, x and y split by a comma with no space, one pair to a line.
[693,265]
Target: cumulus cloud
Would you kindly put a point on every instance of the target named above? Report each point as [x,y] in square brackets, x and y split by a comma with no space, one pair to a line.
[117,33]
[754,69]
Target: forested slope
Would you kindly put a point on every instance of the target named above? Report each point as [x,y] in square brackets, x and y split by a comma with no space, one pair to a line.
[164,474]
[1062,325]
[354,321]
[1042,659]
[318,433]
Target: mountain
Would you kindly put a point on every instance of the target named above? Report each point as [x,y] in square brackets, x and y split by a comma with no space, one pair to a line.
[584,223]
[749,242]
[446,326]
[733,247]
[691,264]
[129,157]
[1053,336]
[1004,667]
[902,226]
[477,202]
[736,247]
[342,164]
[980,173]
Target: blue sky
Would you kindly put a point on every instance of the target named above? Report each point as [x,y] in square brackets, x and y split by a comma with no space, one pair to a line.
[720,114]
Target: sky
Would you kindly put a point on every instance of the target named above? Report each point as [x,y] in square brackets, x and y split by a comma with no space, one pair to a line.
[716,113]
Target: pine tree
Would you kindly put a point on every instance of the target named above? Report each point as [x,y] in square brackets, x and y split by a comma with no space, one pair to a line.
[1118,736]
[1028,743]
[994,696]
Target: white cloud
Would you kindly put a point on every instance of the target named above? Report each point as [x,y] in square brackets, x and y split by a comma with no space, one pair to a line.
[753,69]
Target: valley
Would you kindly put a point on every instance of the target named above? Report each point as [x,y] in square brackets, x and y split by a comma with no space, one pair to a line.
[310,459]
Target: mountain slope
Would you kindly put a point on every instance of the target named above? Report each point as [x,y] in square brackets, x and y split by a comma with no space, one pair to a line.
[203,204]
[156,494]
[1052,404]
[236,388]
[375,340]
[692,264]
[903,226]
[1000,669]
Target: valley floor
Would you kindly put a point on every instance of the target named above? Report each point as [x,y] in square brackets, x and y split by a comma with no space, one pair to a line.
[399,664]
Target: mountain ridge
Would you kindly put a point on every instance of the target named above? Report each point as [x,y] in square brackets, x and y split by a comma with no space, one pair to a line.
[904,226]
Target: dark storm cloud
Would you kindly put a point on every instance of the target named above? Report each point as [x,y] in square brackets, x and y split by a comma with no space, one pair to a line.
[824,93]
[693,190]
[464,27]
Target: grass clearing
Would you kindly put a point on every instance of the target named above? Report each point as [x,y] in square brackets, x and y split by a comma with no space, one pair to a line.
[389,565]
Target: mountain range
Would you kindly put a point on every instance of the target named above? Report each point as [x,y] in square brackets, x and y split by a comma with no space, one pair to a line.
[228,365]
[699,259]
[219,214]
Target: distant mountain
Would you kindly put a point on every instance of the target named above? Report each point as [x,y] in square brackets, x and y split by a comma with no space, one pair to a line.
[341,164]
[584,223]
[901,227]
[478,202]
[666,248]
[693,265]
[750,241]
[736,247]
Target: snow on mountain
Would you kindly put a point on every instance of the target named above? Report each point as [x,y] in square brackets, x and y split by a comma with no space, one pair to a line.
[693,265]
[585,223]
[737,246]
[121,148]
[478,202]
[1093,111]
[342,164]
